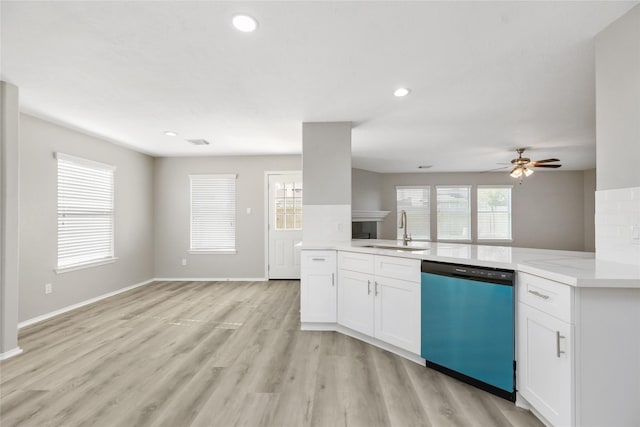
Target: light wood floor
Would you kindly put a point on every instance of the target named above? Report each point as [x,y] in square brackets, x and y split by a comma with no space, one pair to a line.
[223,354]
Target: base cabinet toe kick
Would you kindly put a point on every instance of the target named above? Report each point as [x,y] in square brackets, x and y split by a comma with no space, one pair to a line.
[569,354]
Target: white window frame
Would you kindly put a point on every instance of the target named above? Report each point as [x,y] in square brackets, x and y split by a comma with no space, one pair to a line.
[510,239]
[420,187]
[213,249]
[439,239]
[97,166]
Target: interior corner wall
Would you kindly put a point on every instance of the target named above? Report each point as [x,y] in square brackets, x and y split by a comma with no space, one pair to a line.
[172,211]
[366,189]
[589,210]
[9,218]
[133,205]
[547,208]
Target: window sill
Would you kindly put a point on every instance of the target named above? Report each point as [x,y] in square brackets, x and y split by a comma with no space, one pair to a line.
[495,241]
[84,265]
[211,252]
[454,241]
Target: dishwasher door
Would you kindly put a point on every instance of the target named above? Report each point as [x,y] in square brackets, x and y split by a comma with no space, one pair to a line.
[468,331]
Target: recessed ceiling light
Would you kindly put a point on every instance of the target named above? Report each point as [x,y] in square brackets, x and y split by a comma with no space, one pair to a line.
[170,133]
[245,23]
[400,92]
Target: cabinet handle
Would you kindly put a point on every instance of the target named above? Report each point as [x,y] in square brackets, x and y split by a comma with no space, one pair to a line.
[368,287]
[558,336]
[333,279]
[317,259]
[376,287]
[538,294]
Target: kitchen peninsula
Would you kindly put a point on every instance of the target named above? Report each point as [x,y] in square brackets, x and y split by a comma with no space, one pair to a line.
[576,317]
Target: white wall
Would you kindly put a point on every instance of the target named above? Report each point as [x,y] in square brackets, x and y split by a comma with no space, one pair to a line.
[38,219]
[548,207]
[618,103]
[9,217]
[172,210]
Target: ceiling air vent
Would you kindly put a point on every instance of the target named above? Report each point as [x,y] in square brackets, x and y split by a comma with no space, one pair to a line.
[198,141]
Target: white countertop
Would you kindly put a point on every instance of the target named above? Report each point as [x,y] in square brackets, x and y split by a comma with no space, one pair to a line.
[579,269]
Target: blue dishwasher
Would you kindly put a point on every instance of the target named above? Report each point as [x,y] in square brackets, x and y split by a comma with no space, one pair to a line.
[468,325]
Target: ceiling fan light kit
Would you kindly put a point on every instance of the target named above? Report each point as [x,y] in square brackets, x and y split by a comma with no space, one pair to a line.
[523,165]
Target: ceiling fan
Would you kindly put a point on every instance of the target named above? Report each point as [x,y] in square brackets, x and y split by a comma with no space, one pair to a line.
[522,165]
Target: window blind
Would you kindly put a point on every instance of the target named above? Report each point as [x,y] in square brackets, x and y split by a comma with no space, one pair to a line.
[454,213]
[415,201]
[213,212]
[85,210]
[494,213]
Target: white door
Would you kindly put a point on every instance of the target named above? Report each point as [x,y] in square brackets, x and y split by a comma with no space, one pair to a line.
[285,225]
[397,313]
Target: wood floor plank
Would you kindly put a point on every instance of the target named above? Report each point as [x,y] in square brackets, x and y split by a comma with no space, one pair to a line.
[402,403]
[183,354]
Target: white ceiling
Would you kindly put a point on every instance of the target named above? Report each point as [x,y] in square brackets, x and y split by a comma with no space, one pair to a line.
[485,77]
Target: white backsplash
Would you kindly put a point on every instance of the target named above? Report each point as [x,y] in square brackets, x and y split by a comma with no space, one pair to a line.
[326,224]
[618,225]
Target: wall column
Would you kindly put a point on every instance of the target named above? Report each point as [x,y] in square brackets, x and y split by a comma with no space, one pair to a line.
[326,177]
[9,219]
[618,140]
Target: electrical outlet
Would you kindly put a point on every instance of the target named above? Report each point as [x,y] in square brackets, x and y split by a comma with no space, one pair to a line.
[48,288]
[184,262]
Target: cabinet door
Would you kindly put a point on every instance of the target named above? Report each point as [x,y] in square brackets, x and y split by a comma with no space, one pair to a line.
[355,301]
[397,313]
[318,295]
[545,360]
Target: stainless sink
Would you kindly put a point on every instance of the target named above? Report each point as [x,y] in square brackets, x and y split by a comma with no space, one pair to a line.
[396,248]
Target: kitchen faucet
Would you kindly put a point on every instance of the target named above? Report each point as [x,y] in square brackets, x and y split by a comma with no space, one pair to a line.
[403,224]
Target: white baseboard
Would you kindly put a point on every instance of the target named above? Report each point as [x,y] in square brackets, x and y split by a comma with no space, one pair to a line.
[80,304]
[210,279]
[320,326]
[7,354]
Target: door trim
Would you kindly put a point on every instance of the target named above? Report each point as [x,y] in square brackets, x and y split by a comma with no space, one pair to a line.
[266,214]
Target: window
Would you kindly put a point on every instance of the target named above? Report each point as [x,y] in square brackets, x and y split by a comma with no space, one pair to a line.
[85,211]
[213,213]
[288,202]
[454,213]
[494,213]
[415,201]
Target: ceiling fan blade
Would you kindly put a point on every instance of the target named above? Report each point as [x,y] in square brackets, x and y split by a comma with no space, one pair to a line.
[546,161]
[497,169]
[547,166]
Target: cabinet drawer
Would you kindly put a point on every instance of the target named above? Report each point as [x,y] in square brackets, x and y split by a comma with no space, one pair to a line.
[550,297]
[318,261]
[398,268]
[355,261]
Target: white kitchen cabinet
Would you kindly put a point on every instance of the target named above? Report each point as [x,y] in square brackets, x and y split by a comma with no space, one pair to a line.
[355,301]
[578,348]
[397,313]
[545,364]
[318,290]
[386,308]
